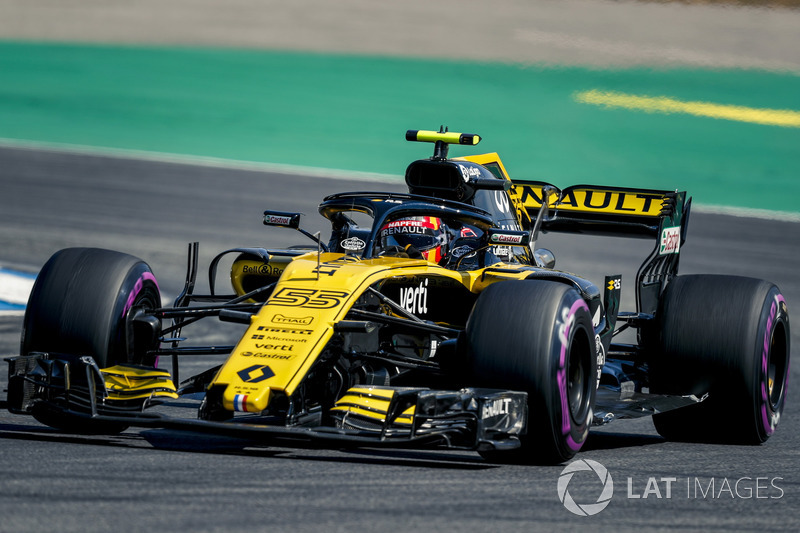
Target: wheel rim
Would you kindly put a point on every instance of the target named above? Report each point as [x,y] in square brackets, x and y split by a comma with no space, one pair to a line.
[147,299]
[777,364]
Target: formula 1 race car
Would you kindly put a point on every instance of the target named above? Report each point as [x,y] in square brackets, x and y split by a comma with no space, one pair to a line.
[427,319]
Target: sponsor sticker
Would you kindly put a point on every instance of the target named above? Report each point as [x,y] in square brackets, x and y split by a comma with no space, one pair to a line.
[462,250]
[505,238]
[353,244]
[286,331]
[601,356]
[501,201]
[496,407]
[262,270]
[295,320]
[469,172]
[255,373]
[276,347]
[405,222]
[415,299]
[282,339]
[670,241]
[267,355]
[277,220]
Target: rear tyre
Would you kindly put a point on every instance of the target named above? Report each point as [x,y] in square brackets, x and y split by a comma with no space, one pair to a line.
[536,336]
[729,337]
[83,303]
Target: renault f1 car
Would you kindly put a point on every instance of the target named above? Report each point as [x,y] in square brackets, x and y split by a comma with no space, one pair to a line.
[435,323]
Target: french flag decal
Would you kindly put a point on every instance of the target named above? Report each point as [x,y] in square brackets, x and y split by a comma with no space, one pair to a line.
[240,402]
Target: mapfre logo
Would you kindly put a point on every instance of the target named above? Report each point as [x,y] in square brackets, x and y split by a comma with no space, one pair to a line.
[605,487]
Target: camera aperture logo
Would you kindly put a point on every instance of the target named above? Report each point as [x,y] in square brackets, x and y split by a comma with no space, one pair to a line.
[595,479]
[605,487]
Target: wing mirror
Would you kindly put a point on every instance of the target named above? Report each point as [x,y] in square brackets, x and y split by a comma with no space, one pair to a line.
[283,219]
[545,258]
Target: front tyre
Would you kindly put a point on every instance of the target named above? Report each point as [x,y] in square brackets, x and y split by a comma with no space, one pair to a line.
[536,336]
[83,303]
[727,336]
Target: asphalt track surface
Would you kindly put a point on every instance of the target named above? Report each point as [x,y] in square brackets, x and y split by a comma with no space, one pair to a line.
[158,480]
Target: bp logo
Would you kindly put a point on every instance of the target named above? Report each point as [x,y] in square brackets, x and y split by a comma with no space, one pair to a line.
[591,508]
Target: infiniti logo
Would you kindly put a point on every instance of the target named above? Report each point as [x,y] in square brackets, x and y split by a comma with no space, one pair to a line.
[591,508]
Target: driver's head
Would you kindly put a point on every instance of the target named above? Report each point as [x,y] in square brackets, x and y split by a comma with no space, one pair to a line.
[427,235]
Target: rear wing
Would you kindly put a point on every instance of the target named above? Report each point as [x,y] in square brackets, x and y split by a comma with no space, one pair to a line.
[590,209]
[599,210]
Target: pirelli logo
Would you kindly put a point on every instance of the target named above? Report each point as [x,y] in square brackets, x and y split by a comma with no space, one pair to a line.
[289,331]
[611,201]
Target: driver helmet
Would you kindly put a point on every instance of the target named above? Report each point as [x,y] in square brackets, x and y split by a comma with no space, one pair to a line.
[426,235]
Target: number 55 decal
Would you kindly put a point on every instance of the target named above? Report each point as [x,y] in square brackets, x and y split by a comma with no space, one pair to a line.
[313,298]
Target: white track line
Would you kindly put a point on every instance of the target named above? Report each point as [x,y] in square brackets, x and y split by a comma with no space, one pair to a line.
[746,212]
[202,161]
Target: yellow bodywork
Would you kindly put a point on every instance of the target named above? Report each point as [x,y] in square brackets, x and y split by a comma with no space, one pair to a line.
[244,268]
[295,324]
[373,403]
[125,382]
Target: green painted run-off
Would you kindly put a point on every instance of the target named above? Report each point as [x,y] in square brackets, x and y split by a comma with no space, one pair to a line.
[346,112]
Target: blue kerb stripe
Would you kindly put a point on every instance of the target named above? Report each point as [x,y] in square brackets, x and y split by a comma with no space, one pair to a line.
[9,301]
[27,275]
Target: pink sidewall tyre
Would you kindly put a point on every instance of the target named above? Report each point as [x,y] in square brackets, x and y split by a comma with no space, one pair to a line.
[536,336]
[729,337]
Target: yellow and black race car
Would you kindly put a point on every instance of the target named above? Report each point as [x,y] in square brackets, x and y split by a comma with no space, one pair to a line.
[427,319]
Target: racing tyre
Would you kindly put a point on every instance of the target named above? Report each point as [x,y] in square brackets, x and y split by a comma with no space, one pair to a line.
[83,303]
[536,336]
[729,337]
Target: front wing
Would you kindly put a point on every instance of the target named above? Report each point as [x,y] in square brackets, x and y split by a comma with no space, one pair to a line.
[69,388]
